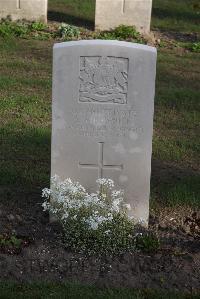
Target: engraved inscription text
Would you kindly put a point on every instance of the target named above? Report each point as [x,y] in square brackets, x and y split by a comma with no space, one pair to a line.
[103,122]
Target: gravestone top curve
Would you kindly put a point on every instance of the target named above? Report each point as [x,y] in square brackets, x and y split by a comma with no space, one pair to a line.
[100,42]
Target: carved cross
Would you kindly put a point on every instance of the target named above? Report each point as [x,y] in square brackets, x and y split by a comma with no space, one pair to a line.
[18,4]
[123,5]
[100,165]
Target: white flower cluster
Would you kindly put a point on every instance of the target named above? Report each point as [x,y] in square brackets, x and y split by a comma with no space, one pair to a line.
[106,182]
[69,201]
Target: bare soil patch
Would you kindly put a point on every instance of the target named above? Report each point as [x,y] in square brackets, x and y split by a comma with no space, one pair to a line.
[175,266]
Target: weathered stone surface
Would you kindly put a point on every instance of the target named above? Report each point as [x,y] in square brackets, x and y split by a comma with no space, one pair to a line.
[103,98]
[31,10]
[112,13]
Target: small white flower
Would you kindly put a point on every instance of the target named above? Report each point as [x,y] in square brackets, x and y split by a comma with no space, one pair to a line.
[127,206]
[116,193]
[65,216]
[92,223]
[105,182]
[45,206]
[138,234]
[107,232]
[46,192]
[69,200]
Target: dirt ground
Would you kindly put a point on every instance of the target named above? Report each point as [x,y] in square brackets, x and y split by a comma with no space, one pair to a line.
[175,266]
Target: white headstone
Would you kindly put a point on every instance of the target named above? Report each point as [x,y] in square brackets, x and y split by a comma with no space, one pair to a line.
[31,10]
[112,13]
[103,101]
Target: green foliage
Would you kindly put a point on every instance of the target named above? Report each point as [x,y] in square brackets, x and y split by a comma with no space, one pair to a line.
[147,242]
[8,29]
[40,31]
[126,32]
[94,223]
[15,241]
[196,47]
[40,35]
[110,238]
[10,242]
[24,29]
[67,31]
[122,32]
[38,26]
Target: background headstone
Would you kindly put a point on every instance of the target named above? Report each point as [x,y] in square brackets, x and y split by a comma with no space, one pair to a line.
[112,13]
[31,10]
[103,99]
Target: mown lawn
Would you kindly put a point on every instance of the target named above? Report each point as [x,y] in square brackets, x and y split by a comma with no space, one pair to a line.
[75,12]
[170,15]
[74,291]
[25,124]
[176,15]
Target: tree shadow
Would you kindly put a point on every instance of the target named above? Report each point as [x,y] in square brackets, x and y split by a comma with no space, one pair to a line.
[57,16]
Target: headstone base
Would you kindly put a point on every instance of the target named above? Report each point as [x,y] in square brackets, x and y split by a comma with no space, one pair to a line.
[30,10]
[112,13]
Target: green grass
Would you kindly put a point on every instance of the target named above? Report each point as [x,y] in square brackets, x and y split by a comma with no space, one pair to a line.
[176,15]
[25,113]
[75,291]
[25,109]
[175,191]
[74,12]
[177,108]
[25,118]
[173,15]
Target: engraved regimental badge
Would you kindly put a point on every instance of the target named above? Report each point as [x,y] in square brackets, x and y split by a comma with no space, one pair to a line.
[103,79]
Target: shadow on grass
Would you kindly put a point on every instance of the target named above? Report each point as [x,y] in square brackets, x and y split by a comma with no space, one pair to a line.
[176,16]
[25,158]
[25,165]
[174,186]
[179,14]
[57,16]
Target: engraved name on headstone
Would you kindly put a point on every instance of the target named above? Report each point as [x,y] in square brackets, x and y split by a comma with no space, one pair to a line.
[103,99]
